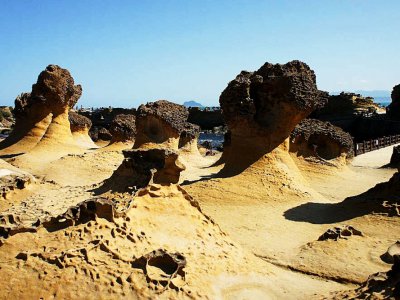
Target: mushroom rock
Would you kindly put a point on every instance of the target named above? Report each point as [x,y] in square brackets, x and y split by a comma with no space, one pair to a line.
[142,167]
[80,126]
[160,122]
[395,158]
[32,117]
[314,138]
[123,128]
[393,109]
[262,108]
[189,138]
[43,113]
[56,87]
[56,93]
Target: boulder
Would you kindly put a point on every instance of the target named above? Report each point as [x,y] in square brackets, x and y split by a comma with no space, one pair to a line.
[160,122]
[43,113]
[321,139]
[142,167]
[80,126]
[123,128]
[262,108]
[395,158]
[393,109]
[188,138]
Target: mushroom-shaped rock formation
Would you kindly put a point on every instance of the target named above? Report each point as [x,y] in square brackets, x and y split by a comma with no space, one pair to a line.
[160,122]
[189,138]
[395,158]
[80,126]
[261,109]
[393,108]
[42,115]
[144,166]
[32,118]
[123,128]
[322,140]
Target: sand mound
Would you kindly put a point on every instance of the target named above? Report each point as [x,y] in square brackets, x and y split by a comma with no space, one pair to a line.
[80,126]
[98,248]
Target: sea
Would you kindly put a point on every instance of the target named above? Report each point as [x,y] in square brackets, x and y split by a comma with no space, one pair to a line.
[216,139]
[384,101]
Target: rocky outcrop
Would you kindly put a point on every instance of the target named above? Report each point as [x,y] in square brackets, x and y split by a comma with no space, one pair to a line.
[322,140]
[78,122]
[341,232]
[382,285]
[80,126]
[42,115]
[99,133]
[261,108]
[12,181]
[123,128]
[393,110]
[395,158]
[391,252]
[345,105]
[142,167]
[160,122]
[188,138]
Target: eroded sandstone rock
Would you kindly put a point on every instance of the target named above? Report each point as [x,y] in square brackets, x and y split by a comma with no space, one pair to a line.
[340,232]
[80,126]
[393,109]
[261,108]
[123,128]
[321,139]
[163,269]
[395,158]
[43,113]
[145,166]
[160,122]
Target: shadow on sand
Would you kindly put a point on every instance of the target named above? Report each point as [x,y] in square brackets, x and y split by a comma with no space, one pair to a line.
[373,201]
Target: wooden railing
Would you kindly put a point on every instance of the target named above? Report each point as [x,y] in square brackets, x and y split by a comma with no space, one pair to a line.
[375,144]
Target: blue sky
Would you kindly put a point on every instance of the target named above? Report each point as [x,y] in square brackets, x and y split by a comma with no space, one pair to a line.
[128,52]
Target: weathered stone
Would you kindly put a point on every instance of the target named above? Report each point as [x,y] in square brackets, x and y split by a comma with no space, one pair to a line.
[395,158]
[45,107]
[393,109]
[79,122]
[322,139]
[161,122]
[123,128]
[261,108]
[341,232]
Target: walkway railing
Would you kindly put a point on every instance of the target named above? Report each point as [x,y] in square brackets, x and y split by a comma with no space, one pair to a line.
[375,144]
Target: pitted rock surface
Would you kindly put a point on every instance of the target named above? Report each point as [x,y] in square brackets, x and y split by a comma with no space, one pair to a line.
[273,98]
[78,122]
[394,107]
[173,114]
[395,158]
[341,232]
[329,140]
[123,128]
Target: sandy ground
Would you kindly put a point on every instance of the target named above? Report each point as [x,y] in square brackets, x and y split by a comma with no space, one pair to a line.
[276,230]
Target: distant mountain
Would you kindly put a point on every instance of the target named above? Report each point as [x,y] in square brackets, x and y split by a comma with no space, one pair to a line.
[192,104]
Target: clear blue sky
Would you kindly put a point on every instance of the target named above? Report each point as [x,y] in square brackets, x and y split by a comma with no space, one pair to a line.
[128,52]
